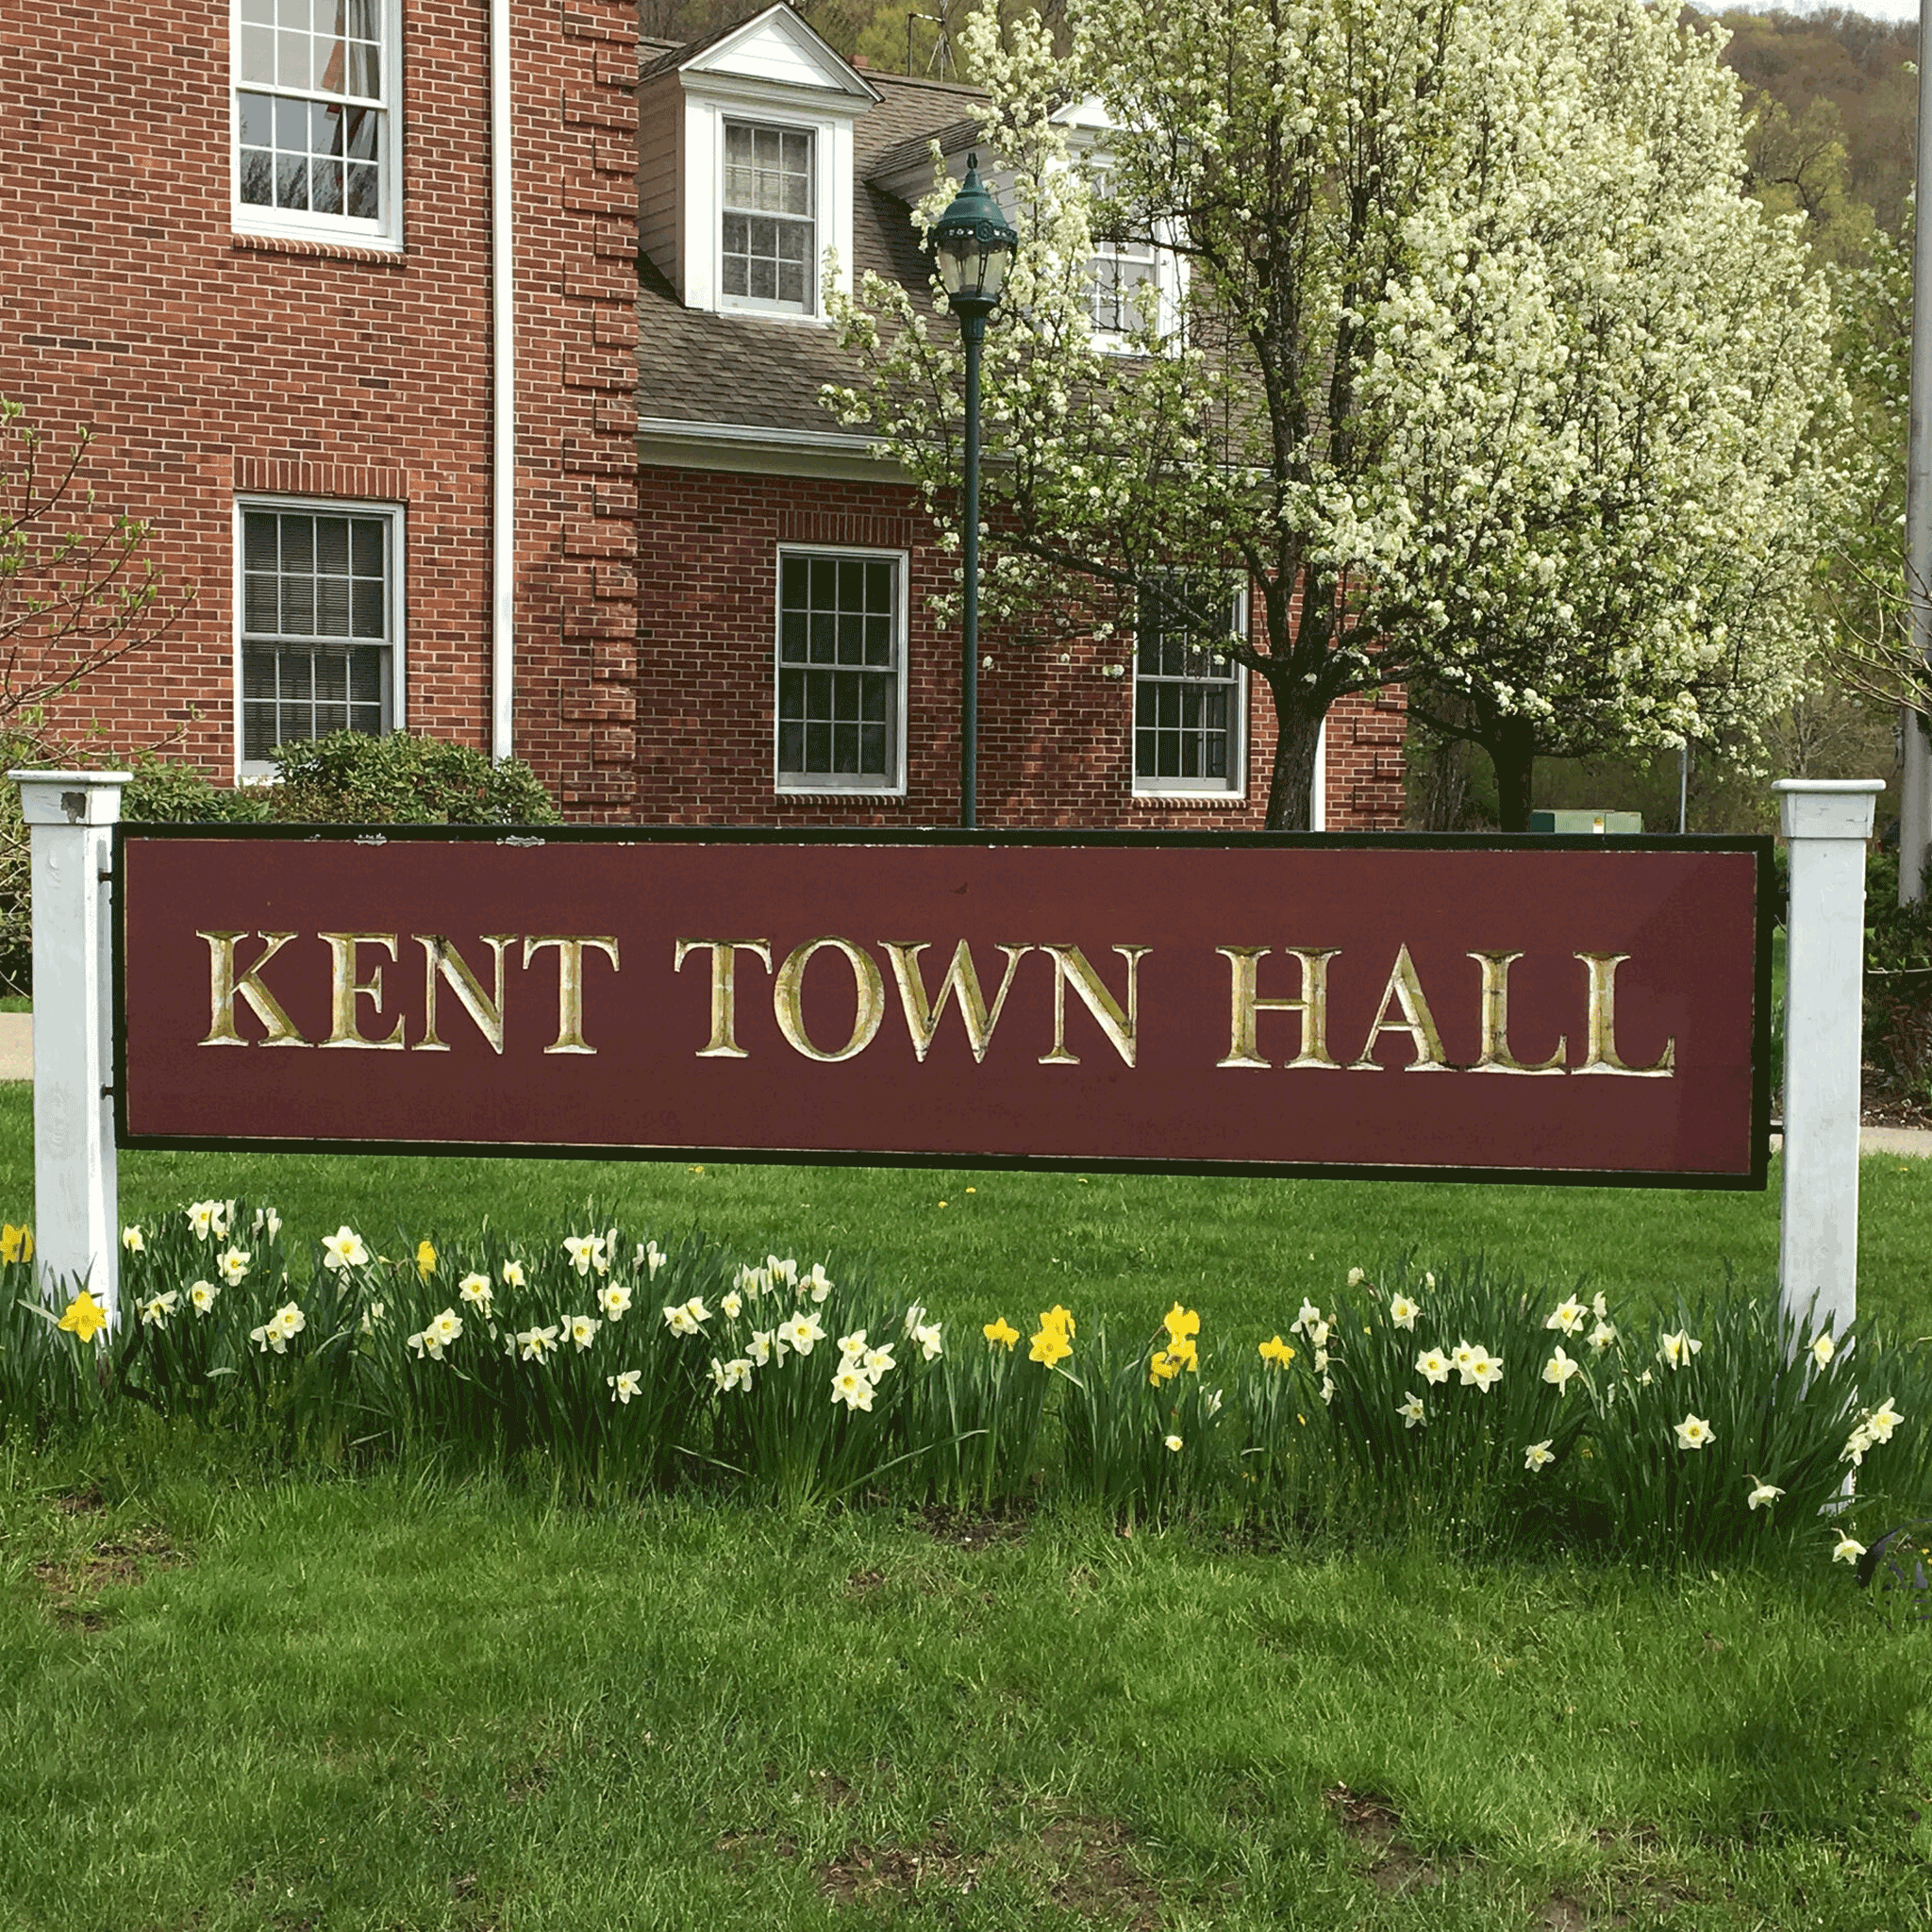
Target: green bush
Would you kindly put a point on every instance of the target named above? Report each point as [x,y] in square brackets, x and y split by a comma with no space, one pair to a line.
[1898,982]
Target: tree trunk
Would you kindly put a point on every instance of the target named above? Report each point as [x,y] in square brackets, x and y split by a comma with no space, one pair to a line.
[1512,752]
[1297,737]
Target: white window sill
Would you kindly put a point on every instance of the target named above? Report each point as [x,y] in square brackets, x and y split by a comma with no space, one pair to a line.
[785,797]
[1208,801]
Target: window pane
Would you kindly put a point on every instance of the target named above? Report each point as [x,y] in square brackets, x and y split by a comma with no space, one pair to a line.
[368,609]
[291,60]
[364,199]
[259,55]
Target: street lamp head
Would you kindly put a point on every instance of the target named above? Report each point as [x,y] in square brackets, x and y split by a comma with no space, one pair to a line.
[974,245]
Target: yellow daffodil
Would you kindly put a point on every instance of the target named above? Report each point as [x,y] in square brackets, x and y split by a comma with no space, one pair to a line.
[16,1243]
[1050,1345]
[1276,1351]
[84,1318]
[1000,1332]
[1058,1318]
[1162,1367]
[1180,1323]
[426,1259]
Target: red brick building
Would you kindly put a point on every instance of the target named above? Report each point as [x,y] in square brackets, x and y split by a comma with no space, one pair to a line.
[458,405]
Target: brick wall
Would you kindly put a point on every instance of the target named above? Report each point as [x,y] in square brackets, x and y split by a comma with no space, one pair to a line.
[1054,729]
[210,362]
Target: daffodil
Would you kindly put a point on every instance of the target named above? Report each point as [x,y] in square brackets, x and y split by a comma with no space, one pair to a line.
[761,1346]
[1882,1421]
[1162,1367]
[1539,1454]
[1050,1345]
[583,1250]
[512,1274]
[1412,1412]
[84,1317]
[1860,1440]
[535,1344]
[926,1338]
[201,1218]
[266,1222]
[878,1362]
[852,1346]
[1309,1315]
[343,1249]
[1057,1317]
[233,1263]
[426,1259]
[1433,1365]
[1602,1336]
[154,1312]
[475,1289]
[16,1243]
[1180,1323]
[614,1298]
[801,1333]
[1327,1388]
[1693,1432]
[1402,1311]
[1599,1308]
[1276,1351]
[1460,1356]
[625,1384]
[650,1258]
[201,1296]
[447,1327]
[733,1304]
[1823,1347]
[1000,1332]
[1558,1369]
[1762,1494]
[1173,1442]
[1482,1368]
[725,1376]
[853,1387]
[817,1284]
[133,1239]
[1676,1349]
[1570,1316]
[1848,1550]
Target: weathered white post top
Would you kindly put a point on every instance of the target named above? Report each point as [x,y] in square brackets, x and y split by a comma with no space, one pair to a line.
[1827,822]
[71,816]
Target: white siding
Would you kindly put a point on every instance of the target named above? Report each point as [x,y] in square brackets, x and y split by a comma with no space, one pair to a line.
[660,124]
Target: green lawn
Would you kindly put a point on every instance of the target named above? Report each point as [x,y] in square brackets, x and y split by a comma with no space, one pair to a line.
[243,1698]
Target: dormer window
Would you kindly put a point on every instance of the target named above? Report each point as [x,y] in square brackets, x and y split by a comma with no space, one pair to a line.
[769,257]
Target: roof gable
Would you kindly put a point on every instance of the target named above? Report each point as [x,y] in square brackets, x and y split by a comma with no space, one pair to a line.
[777,47]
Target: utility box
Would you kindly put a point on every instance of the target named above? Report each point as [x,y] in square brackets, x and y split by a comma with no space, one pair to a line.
[1585,822]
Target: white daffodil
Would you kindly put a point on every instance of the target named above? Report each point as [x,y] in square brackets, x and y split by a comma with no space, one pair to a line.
[267,1221]
[201,1219]
[535,1344]
[1823,1347]
[651,1257]
[1602,1336]
[614,1298]
[292,1318]
[761,1348]
[1539,1454]
[1644,1380]
[1848,1550]
[1172,1442]
[426,1344]
[733,1304]
[1558,1369]
[818,1283]
[133,1241]
[801,1332]
[1318,1334]
[1599,1308]
[1355,1277]
[1482,1368]
[1412,1412]
[1882,1421]
[372,1318]
[447,1327]
[854,1345]
[927,1337]
[736,1374]
[584,1251]
[1402,1311]
[1460,1356]
[878,1362]
[512,1274]
[1433,1365]
[785,1273]
[233,1263]
[626,1384]
[1677,1349]
[1328,1390]
[476,1291]
[1570,1316]
[583,1330]
[1321,1361]
[269,1337]
[1860,1440]
[1309,1313]
[155,1313]
[201,1296]
[343,1249]
[752,1282]
[915,1314]
[1693,1432]
[1762,1494]
[851,1386]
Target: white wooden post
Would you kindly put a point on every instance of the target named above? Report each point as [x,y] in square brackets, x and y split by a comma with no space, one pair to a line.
[1826,824]
[76,1212]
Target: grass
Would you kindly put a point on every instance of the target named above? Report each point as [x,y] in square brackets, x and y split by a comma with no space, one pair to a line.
[391,1703]
[239,1698]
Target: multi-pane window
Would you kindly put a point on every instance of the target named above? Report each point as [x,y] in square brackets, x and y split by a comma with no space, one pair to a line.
[841,655]
[768,253]
[1116,272]
[313,108]
[317,625]
[1187,690]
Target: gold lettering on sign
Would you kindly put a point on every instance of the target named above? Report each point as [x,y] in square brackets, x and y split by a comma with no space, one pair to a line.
[1244,1004]
[723,1043]
[1496,1057]
[344,990]
[225,987]
[570,982]
[960,984]
[789,985]
[442,961]
[1071,965]
[1405,991]
[1603,1057]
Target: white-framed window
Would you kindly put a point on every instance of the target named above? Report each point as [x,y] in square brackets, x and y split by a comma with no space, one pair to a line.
[1190,695]
[766,242]
[1116,273]
[318,623]
[317,110]
[841,711]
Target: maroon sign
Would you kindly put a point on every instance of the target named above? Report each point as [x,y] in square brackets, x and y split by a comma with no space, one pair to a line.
[1248,1004]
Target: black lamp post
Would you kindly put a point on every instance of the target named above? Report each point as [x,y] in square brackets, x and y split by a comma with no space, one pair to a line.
[974,246]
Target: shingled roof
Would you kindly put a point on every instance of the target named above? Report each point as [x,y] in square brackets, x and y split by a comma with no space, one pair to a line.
[750,373]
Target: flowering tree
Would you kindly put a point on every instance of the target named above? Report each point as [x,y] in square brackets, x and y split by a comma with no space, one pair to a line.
[1435,376]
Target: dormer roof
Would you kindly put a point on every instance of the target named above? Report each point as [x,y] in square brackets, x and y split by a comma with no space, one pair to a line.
[775,45]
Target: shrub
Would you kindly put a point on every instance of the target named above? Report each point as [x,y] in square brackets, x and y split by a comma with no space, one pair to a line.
[1898,982]
[352,779]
